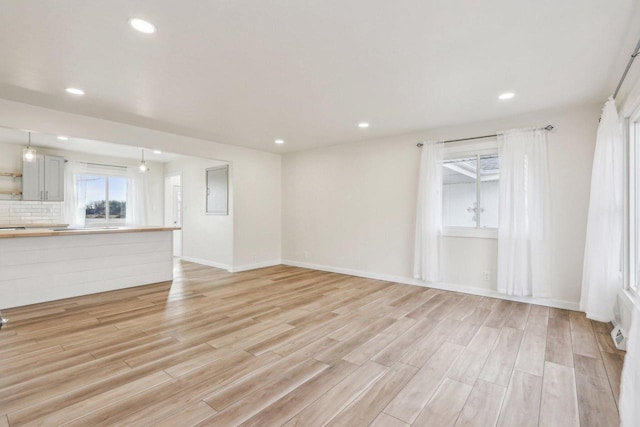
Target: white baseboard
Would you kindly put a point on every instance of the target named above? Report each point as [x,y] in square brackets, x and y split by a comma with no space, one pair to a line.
[548,302]
[206,262]
[246,267]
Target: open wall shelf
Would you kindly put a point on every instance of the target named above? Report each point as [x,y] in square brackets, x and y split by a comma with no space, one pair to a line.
[11,174]
[15,194]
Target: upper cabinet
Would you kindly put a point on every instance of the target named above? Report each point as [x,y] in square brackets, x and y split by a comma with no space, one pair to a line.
[43,179]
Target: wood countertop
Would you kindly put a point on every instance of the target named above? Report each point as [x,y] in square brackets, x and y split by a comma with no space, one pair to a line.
[47,225]
[40,232]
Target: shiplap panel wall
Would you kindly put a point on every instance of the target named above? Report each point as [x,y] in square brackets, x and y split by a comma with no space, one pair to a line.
[19,212]
[38,269]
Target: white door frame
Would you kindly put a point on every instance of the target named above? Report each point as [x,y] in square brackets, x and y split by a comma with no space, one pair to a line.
[169,193]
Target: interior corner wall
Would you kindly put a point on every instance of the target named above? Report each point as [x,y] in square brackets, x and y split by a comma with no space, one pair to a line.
[256,175]
[206,238]
[351,207]
[258,212]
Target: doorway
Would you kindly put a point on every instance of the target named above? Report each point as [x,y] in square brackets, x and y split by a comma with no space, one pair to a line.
[173,209]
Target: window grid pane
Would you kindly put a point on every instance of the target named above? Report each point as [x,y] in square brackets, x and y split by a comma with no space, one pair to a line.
[459,192]
[470,191]
[117,197]
[489,190]
[96,196]
[105,198]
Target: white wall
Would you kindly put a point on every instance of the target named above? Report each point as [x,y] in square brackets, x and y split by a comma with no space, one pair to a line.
[205,238]
[256,175]
[352,207]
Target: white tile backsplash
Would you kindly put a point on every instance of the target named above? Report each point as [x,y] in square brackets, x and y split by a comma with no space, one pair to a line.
[19,212]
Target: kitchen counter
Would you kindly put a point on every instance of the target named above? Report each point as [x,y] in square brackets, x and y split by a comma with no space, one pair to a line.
[31,225]
[39,265]
[54,231]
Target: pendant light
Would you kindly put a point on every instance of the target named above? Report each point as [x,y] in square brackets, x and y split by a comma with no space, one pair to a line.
[29,154]
[143,165]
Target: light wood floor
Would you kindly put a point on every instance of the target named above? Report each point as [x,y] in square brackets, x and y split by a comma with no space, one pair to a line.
[296,347]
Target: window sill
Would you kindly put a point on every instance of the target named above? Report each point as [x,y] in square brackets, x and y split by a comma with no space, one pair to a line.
[476,233]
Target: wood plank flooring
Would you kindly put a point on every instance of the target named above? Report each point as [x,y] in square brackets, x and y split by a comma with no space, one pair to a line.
[297,347]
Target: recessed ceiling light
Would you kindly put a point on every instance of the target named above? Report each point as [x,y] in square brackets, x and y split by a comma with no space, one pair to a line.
[507,95]
[74,91]
[279,141]
[142,25]
[63,138]
[363,125]
[157,152]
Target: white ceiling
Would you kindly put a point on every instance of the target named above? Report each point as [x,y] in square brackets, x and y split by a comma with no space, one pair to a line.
[246,72]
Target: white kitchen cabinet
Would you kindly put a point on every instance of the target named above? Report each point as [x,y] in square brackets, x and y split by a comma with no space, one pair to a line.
[43,179]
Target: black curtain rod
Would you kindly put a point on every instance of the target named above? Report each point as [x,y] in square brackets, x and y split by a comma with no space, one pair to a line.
[626,70]
[420,144]
[99,164]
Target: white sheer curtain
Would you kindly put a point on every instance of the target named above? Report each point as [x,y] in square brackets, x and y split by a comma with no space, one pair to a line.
[523,231]
[601,275]
[136,197]
[75,194]
[630,380]
[429,214]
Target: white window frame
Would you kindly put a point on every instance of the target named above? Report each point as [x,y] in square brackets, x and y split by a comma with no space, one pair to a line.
[107,221]
[633,176]
[476,149]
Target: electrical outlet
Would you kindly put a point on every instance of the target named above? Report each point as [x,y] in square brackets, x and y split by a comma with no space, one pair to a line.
[486,276]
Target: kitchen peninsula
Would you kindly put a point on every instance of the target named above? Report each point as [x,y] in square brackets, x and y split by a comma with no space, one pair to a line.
[47,264]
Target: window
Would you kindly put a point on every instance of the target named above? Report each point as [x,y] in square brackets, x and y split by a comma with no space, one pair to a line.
[105,198]
[470,191]
[634,205]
